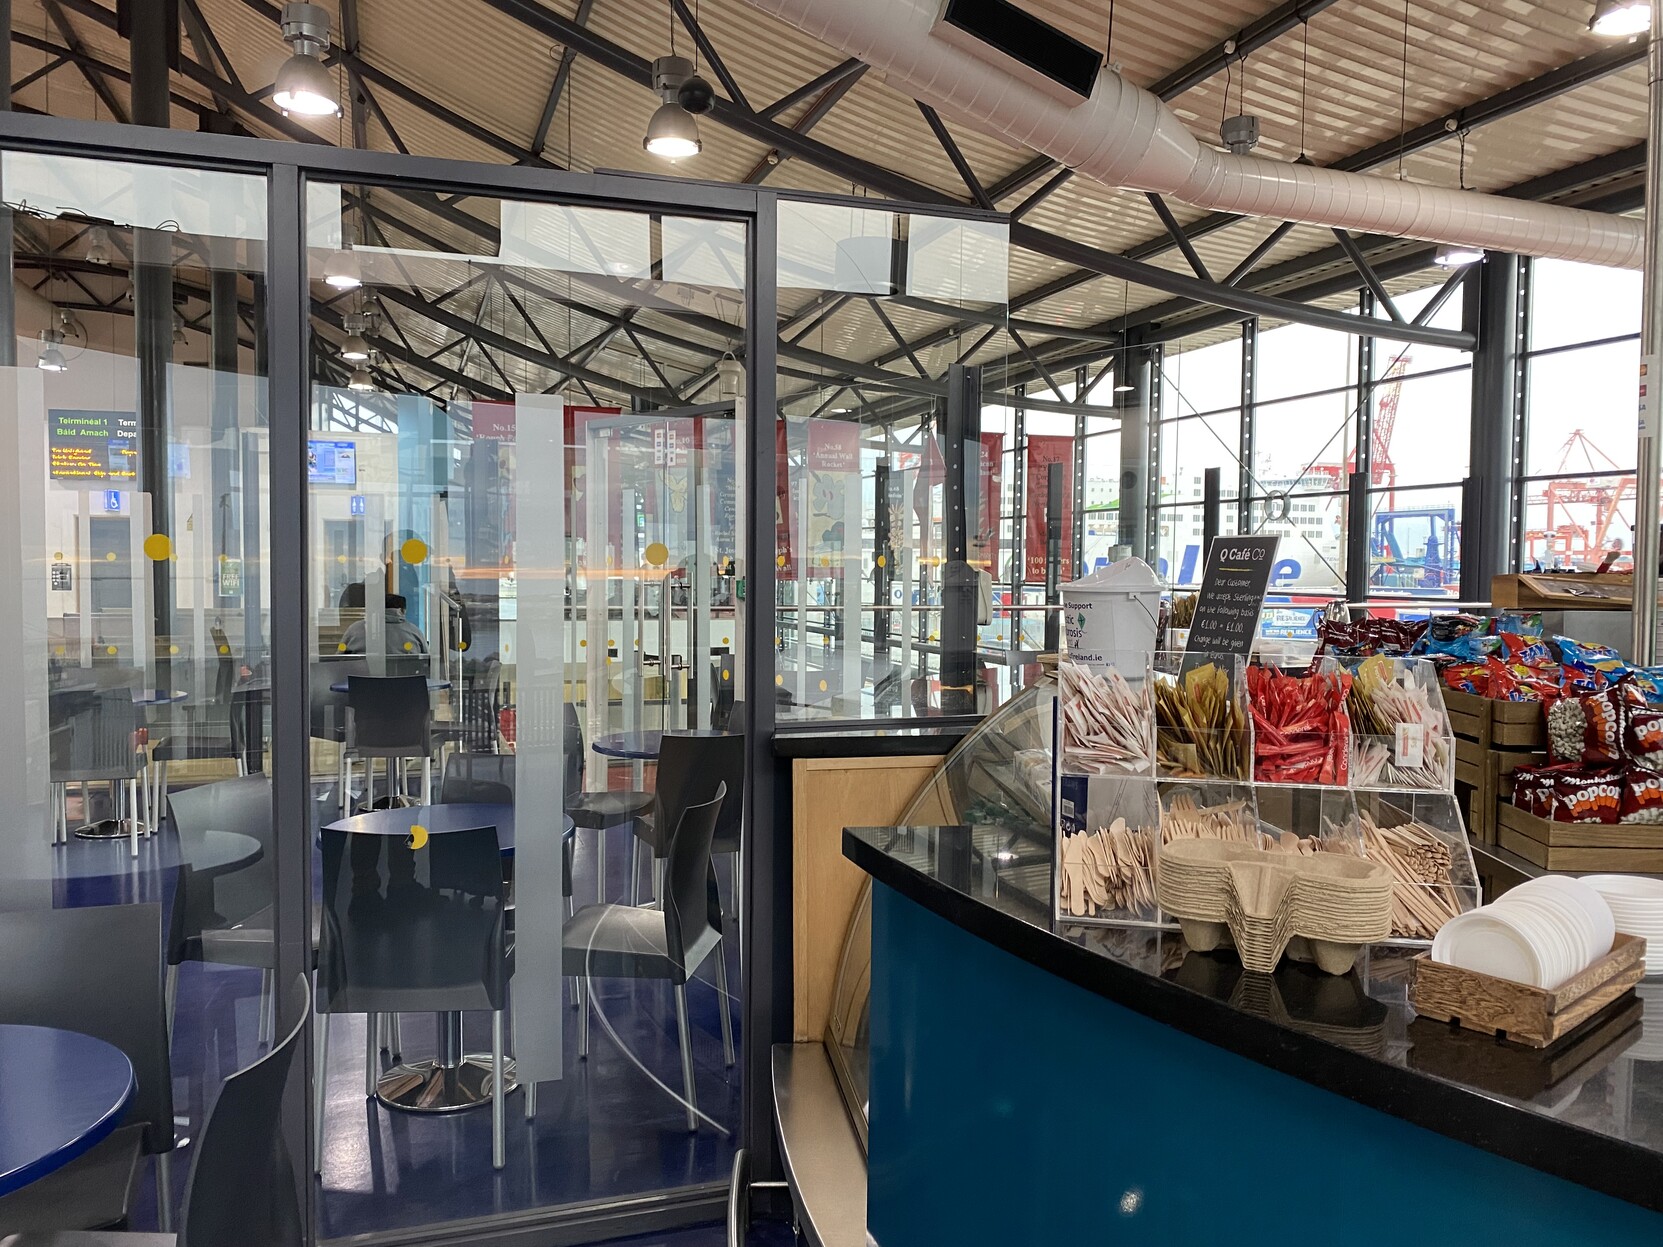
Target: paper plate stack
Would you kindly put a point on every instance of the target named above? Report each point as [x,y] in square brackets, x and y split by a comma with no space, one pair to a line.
[1541,934]
[1637,904]
[1266,900]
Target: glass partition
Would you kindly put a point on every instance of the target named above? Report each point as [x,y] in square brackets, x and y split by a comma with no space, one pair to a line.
[527,522]
[891,462]
[137,873]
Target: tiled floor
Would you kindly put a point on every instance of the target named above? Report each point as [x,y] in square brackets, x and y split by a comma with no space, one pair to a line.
[605,1130]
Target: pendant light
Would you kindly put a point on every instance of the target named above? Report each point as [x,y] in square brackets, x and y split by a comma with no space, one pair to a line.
[341,270]
[356,349]
[1620,19]
[304,86]
[361,381]
[673,132]
[98,245]
[1454,255]
[51,351]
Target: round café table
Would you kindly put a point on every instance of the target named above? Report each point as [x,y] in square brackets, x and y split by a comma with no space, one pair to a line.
[433,686]
[454,1079]
[61,1093]
[643,745]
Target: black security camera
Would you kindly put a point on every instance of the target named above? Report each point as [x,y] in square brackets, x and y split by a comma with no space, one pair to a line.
[695,96]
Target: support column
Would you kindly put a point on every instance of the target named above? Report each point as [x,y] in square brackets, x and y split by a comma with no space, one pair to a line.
[1139,412]
[1247,441]
[1648,462]
[961,444]
[1491,311]
[8,291]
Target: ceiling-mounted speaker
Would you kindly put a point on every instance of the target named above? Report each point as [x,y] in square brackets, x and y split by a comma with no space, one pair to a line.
[1038,53]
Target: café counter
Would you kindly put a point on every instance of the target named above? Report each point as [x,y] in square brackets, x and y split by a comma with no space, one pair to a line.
[1043,1082]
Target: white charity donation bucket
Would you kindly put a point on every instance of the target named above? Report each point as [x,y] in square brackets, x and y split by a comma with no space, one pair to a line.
[1112,611]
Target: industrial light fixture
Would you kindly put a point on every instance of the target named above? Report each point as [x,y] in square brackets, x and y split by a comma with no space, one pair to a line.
[730,378]
[51,358]
[1617,19]
[673,132]
[341,270]
[1454,255]
[355,348]
[303,85]
[51,351]
[98,245]
[361,380]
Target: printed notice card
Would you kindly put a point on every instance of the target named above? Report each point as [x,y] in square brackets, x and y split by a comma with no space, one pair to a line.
[1232,595]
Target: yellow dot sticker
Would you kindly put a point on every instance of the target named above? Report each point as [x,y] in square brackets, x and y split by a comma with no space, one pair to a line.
[462,645]
[779,560]
[409,645]
[727,675]
[583,644]
[58,555]
[110,650]
[882,561]
[341,559]
[418,837]
[822,686]
[413,551]
[341,648]
[110,557]
[657,554]
[779,679]
[173,649]
[157,547]
[225,649]
[725,641]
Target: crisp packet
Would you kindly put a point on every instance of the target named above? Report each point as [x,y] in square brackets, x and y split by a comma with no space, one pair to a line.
[1600,661]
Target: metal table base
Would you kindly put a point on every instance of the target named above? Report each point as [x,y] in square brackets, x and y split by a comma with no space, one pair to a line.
[451,1082]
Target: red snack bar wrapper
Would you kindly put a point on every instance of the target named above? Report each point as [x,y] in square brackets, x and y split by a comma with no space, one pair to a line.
[1642,795]
[1643,737]
[1589,797]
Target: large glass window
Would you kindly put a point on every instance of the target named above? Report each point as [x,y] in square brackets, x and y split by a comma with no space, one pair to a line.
[527,523]
[897,522]
[138,860]
[1576,499]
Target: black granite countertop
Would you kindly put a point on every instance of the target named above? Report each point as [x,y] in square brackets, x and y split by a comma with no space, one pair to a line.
[869,742]
[1590,1109]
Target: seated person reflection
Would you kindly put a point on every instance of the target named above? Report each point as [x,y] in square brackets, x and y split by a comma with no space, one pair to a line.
[404,580]
[401,638]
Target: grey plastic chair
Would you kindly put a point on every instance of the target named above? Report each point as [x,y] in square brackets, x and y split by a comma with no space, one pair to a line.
[241,1187]
[97,971]
[219,916]
[477,777]
[624,941]
[389,717]
[413,930]
[95,740]
[687,767]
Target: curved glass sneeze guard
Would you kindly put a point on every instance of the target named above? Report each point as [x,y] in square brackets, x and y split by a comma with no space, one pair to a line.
[998,781]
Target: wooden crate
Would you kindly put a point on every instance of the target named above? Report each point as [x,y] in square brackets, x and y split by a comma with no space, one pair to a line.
[1533,1016]
[1487,723]
[1487,774]
[1624,848]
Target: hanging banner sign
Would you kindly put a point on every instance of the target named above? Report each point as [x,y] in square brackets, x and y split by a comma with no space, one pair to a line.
[1042,453]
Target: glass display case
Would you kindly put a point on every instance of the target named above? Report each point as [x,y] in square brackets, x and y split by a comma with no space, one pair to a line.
[997,781]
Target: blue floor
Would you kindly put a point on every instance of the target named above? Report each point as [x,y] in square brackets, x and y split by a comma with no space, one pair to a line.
[605,1130]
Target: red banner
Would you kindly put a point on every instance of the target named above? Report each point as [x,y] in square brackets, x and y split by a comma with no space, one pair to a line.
[986,541]
[1042,453]
[785,559]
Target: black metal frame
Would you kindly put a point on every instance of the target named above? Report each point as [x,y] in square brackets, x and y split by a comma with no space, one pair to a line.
[287,340]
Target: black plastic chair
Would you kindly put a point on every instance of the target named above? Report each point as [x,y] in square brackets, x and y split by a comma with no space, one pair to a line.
[95,740]
[241,1187]
[624,941]
[97,971]
[595,811]
[221,916]
[389,717]
[413,930]
[688,766]
[477,777]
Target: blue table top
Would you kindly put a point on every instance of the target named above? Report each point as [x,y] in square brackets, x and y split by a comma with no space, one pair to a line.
[439,819]
[643,744]
[61,1093]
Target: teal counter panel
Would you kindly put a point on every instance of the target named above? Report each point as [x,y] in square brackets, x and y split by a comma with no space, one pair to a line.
[1010,1106]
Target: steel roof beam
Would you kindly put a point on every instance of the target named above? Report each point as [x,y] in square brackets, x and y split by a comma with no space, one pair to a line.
[831,77]
[730,84]
[562,76]
[948,145]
